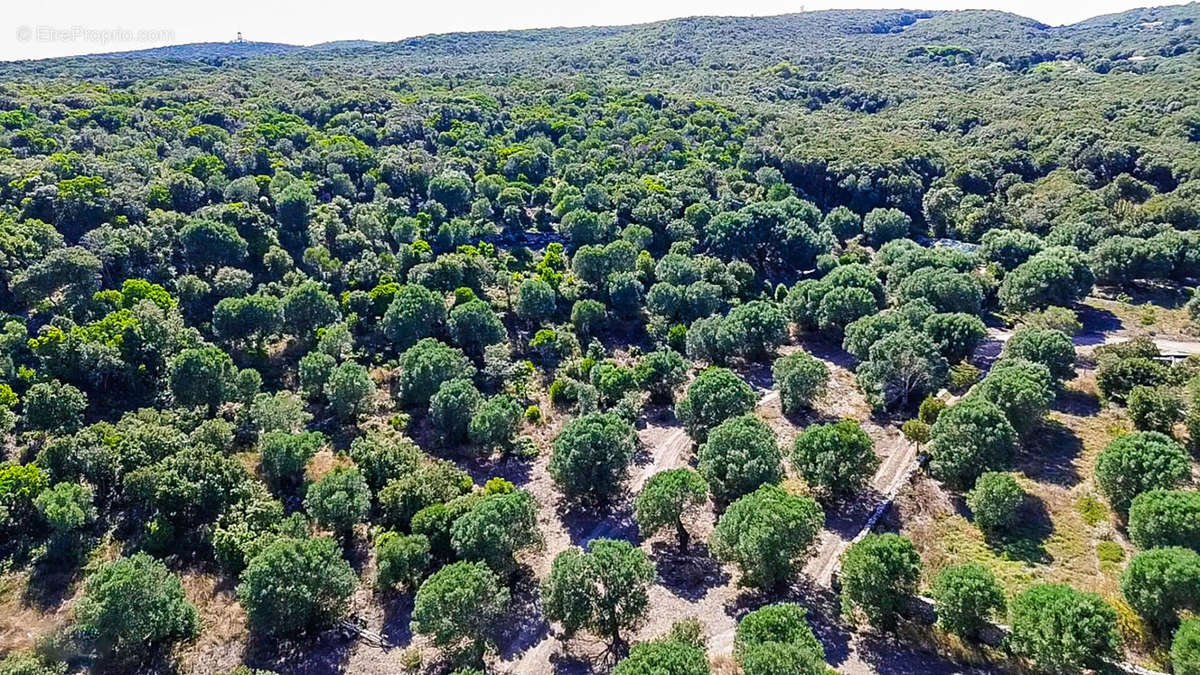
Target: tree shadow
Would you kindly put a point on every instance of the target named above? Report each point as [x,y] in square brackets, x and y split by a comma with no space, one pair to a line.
[51,582]
[1077,403]
[846,517]
[688,575]
[482,469]
[1096,322]
[601,521]
[397,619]
[323,653]
[1026,541]
[820,346]
[825,619]
[1049,454]
[525,625]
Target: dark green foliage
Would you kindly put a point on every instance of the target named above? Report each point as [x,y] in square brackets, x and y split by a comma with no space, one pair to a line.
[967,597]
[604,590]
[284,456]
[591,456]
[339,500]
[1049,347]
[1161,582]
[740,455]
[969,438]
[496,528]
[956,335]
[667,498]
[349,390]
[801,379]
[401,559]
[776,639]
[901,366]
[835,459]
[132,605]
[1117,376]
[415,313]
[1060,629]
[1138,462]
[995,502]
[1055,276]
[716,395]
[54,406]
[294,585]
[202,377]
[306,308]
[474,325]
[495,423]
[1154,409]
[1165,518]
[1185,648]
[663,658]
[459,607]
[764,533]
[883,225]
[451,409]
[432,482]
[426,365]
[1021,389]
[660,373]
[878,574]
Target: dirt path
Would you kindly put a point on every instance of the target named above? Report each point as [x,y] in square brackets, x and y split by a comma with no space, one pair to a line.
[1089,340]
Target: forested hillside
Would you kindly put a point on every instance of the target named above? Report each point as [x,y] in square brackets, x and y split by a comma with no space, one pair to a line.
[852,340]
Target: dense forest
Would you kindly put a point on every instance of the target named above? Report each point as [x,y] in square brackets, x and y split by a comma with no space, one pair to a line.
[850,340]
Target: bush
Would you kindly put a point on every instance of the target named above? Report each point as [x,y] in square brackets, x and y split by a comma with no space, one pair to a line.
[401,559]
[605,590]
[883,225]
[783,623]
[451,409]
[664,658]
[294,585]
[1161,582]
[591,456]
[495,423]
[1051,348]
[1117,376]
[349,390]
[132,605]
[995,502]
[1154,409]
[765,533]
[1165,518]
[1021,389]
[740,455]
[900,366]
[496,528]
[1185,648]
[432,482]
[460,607]
[801,379]
[426,365]
[339,500]
[956,335]
[666,499]
[1061,629]
[660,373]
[1139,462]
[1061,319]
[284,456]
[835,459]
[971,437]
[54,406]
[878,575]
[716,395]
[967,596]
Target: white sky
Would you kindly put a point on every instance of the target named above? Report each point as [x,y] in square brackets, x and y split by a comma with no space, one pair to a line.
[62,27]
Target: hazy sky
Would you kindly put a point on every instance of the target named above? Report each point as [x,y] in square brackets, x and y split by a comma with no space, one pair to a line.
[62,27]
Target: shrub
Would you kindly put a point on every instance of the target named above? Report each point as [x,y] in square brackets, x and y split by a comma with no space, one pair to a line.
[764,533]
[496,528]
[740,455]
[971,437]
[716,395]
[1185,648]
[1165,518]
[591,456]
[878,575]
[401,559]
[664,657]
[1138,462]
[460,606]
[284,455]
[967,596]
[134,604]
[293,585]
[54,406]
[783,623]
[995,502]
[451,409]
[801,379]
[1051,348]
[660,373]
[1161,582]
[835,459]
[1154,409]
[339,500]
[1061,629]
